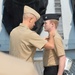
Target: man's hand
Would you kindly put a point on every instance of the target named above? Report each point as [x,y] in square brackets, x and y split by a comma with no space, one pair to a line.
[47,38]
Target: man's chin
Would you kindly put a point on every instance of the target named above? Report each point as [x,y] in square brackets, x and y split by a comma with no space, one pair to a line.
[46,30]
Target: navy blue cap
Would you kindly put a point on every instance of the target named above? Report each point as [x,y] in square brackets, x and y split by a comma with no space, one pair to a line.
[51,16]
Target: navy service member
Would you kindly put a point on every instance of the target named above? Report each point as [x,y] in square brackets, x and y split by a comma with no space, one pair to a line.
[54,60]
[23,41]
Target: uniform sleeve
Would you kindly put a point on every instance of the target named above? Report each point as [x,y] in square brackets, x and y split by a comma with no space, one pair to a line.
[59,48]
[36,40]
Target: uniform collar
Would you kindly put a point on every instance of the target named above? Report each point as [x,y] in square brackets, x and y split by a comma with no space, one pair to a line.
[23,25]
[56,32]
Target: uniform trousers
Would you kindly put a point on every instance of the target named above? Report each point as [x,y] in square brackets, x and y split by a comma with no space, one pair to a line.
[50,70]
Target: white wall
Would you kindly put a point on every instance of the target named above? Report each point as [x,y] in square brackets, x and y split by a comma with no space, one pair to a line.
[50,7]
[68,26]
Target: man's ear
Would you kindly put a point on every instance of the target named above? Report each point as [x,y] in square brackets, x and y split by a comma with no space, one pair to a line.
[53,24]
[30,20]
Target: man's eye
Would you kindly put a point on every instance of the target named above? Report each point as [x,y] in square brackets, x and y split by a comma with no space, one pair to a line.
[45,23]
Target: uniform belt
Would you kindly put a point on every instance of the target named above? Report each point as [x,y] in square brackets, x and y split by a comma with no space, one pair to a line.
[50,67]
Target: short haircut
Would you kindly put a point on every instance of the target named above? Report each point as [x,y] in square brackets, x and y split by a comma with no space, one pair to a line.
[55,22]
